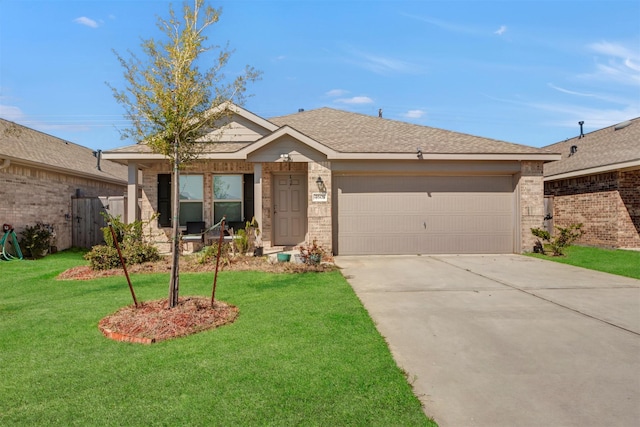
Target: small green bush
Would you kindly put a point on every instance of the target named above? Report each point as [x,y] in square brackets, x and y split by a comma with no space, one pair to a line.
[130,239]
[241,241]
[104,257]
[36,240]
[558,243]
[209,253]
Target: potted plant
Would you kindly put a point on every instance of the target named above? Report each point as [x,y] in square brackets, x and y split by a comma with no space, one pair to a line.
[312,254]
[253,232]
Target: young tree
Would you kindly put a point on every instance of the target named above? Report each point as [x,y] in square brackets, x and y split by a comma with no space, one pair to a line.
[171,103]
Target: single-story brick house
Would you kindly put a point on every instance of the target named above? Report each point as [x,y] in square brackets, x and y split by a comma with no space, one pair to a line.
[42,179]
[597,183]
[357,184]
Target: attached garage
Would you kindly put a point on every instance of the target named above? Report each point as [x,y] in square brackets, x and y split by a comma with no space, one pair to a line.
[395,214]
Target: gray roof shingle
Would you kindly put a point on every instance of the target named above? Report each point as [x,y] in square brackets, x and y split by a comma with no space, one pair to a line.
[348,132]
[605,147]
[18,143]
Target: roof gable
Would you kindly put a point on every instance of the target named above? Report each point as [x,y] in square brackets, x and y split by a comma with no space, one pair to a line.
[606,149]
[24,145]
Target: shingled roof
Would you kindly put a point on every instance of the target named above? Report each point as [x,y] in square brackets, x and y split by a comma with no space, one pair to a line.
[606,149]
[24,145]
[348,132]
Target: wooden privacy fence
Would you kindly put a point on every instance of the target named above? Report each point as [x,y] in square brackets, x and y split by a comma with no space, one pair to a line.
[88,220]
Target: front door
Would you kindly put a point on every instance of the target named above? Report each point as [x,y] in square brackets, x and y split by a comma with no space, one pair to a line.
[289,209]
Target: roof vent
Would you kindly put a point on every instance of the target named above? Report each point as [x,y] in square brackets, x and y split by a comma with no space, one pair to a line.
[98,156]
[622,125]
[581,132]
[300,110]
[573,150]
[380,112]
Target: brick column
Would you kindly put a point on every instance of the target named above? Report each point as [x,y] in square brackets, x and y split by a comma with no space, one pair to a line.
[531,193]
[319,212]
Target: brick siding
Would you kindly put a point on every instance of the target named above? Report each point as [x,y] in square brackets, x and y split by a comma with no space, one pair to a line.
[531,191]
[31,195]
[607,204]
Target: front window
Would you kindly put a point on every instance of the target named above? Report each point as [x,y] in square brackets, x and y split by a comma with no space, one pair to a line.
[191,198]
[227,198]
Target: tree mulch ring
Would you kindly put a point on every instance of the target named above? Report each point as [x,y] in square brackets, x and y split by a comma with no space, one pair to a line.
[154,321]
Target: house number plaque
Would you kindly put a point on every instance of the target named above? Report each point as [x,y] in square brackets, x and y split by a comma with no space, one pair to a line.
[318,197]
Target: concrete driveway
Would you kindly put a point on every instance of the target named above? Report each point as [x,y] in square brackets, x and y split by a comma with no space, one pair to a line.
[507,340]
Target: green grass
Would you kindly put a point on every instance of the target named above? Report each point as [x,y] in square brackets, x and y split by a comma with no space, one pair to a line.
[303,351]
[620,262]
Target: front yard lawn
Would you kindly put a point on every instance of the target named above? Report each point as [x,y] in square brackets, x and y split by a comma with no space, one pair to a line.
[303,351]
[620,262]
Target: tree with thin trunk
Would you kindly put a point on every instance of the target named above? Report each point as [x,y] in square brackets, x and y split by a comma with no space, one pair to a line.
[171,104]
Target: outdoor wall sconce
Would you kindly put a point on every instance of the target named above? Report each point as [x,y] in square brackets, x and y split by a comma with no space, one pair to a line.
[321,186]
[286,157]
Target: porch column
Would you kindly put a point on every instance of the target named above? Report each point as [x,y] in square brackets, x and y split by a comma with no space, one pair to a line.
[132,193]
[257,194]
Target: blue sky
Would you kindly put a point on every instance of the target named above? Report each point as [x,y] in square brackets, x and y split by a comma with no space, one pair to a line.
[519,71]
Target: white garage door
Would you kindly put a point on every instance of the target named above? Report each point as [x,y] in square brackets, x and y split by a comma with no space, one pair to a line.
[423,214]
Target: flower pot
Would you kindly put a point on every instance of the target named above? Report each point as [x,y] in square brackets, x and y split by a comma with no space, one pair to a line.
[315,258]
[284,257]
[258,251]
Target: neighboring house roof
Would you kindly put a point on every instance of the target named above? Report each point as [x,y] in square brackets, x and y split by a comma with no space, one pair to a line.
[23,145]
[345,135]
[612,148]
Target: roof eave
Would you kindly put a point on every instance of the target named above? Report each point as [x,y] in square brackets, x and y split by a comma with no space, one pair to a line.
[445,156]
[634,164]
[96,177]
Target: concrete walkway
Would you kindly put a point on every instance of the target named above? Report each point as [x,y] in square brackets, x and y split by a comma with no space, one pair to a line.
[508,340]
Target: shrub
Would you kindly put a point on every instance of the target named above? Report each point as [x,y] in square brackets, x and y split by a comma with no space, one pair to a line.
[209,253]
[129,238]
[312,254]
[104,257]
[241,241]
[36,240]
[563,239]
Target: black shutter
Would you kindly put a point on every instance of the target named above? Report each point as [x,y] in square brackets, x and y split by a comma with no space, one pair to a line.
[248,197]
[164,199]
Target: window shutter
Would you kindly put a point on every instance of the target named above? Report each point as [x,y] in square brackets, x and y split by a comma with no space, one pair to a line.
[248,197]
[164,199]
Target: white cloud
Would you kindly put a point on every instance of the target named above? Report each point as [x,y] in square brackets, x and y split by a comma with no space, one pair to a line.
[414,114]
[83,20]
[333,93]
[501,30]
[445,25]
[629,63]
[355,100]
[621,64]
[569,92]
[11,113]
[381,64]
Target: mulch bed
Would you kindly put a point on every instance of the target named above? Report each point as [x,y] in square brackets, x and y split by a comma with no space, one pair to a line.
[153,321]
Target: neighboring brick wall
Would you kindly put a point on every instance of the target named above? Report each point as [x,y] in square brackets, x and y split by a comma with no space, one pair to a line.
[606,204]
[629,219]
[319,213]
[31,195]
[531,190]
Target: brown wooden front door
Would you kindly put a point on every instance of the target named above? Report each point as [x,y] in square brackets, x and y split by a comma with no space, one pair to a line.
[289,209]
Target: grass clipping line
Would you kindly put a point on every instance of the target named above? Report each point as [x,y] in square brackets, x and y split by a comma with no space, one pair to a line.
[153,321]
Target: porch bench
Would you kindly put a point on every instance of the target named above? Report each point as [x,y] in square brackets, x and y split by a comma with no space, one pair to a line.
[193,236]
